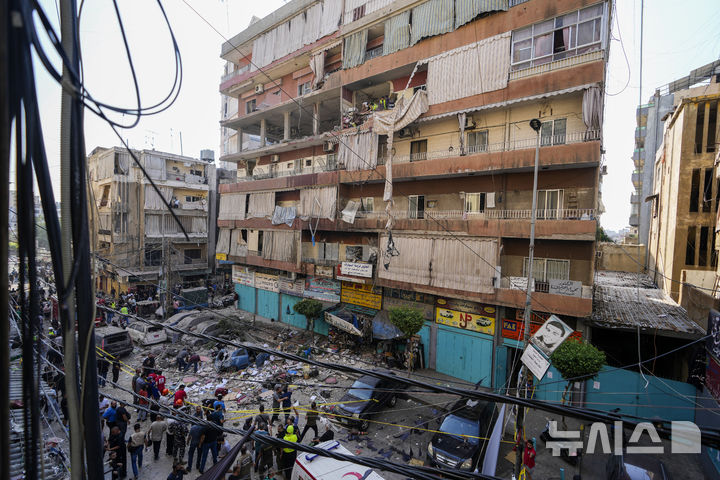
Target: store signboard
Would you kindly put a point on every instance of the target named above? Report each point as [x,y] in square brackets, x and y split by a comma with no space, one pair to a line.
[323,271]
[355,269]
[267,282]
[513,329]
[243,276]
[535,361]
[466,315]
[323,289]
[292,287]
[360,294]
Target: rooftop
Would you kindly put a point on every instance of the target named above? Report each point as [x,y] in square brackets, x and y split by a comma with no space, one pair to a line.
[627,301]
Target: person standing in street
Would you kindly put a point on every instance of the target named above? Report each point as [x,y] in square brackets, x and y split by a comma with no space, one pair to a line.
[276,399]
[103,367]
[311,418]
[193,360]
[289,454]
[136,445]
[180,433]
[123,418]
[148,364]
[115,370]
[181,360]
[155,434]
[529,457]
[116,445]
[195,441]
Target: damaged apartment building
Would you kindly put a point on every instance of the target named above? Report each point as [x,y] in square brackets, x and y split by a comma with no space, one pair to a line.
[394,166]
[133,229]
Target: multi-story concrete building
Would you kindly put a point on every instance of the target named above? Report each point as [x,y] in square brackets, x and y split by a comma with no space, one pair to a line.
[648,139]
[686,194]
[136,235]
[395,159]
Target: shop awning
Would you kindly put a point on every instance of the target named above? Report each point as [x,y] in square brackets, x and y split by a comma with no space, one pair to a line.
[383,329]
[344,320]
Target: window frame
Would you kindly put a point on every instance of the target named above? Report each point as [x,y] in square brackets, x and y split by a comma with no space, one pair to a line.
[422,154]
[529,39]
[250,106]
[474,146]
[416,214]
[482,202]
[304,88]
[554,138]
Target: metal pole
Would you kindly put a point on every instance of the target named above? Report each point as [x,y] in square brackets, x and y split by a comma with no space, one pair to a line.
[67,19]
[4,242]
[520,424]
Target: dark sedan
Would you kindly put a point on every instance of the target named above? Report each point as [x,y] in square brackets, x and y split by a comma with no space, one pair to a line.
[366,396]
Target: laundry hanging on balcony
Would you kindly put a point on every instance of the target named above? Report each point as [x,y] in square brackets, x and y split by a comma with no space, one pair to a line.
[592,108]
[261,205]
[358,151]
[469,70]
[349,212]
[284,215]
[232,206]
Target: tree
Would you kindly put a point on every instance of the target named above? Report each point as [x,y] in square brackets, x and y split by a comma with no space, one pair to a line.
[408,320]
[601,236]
[577,361]
[311,309]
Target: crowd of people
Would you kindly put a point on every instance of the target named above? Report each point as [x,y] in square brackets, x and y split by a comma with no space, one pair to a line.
[165,416]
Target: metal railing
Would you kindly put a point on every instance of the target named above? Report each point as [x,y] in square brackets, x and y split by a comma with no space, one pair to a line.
[519,144]
[235,73]
[551,214]
[290,172]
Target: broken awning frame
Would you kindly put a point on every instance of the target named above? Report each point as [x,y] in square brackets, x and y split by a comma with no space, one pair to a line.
[341,323]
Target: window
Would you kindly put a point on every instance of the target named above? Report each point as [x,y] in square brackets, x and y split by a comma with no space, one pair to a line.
[474,202]
[368,204]
[699,126]
[707,190]
[549,204]
[373,52]
[690,246]
[546,269]
[553,132]
[308,162]
[358,13]
[304,89]
[419,87]
[105,196]
[713,251]
[198,173]
[192,254]
[250,106]
[418,150]
[416,208]
[695,190]
[717,195]
[561,37]
[477,141]
[702,255]
[712,126]
[153,255]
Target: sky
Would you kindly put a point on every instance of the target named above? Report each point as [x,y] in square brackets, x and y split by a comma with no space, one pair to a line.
[678,37]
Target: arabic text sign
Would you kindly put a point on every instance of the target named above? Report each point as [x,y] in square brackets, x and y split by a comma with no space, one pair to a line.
[356,269]
[242,276]
[360,294]
[535,361]
[468,321]
[569,288]
[293,287]
[324,289]
[267,282]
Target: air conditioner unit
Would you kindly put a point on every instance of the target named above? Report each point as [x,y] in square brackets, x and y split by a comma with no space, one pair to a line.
[328,147]
[259,88]
[469,123]
[275,158]
[405,132]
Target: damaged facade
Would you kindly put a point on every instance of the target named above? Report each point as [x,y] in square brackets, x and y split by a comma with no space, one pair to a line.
[133,227]
[415,115]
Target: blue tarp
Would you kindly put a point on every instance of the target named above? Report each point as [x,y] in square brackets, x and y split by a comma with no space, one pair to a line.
[383,329]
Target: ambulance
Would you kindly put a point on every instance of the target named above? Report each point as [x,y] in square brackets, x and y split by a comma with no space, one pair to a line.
[309,466]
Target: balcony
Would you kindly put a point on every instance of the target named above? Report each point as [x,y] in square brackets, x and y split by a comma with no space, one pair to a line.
[639,158]
[634,220]
[637,179]
[519,144]
[635,198]
[554,214]
[330,166]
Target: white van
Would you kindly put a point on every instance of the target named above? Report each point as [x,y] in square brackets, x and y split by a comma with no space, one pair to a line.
[144,334]
[309,466]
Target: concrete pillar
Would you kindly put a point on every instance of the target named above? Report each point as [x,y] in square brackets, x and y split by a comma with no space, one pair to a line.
[239,139]
[263,131]
[286,126]
[316,119]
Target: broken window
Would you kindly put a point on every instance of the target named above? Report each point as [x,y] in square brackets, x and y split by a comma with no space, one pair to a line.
[304,89]
[250,106]
[153,255]
[416,206]
[690,246]
[707,190]
[695,190]
[712,125]
[713,251]
[368,204]
[702,254]
[353,253]
[192,254]
[699,127]
[105,195]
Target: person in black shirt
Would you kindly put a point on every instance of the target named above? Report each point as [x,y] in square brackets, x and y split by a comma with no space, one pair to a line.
[115,370]
[103,366]
[123,417]
[116,444]
[148,365]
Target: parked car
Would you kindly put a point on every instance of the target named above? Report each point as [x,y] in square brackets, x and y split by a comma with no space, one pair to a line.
[144,334]
[366,396]
[237,360]
[636,467]
[114,340]
[458,444]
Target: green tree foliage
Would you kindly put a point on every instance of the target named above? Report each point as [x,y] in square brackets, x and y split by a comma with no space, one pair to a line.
[311,309]
[408,320]
[578,360]
[601,236]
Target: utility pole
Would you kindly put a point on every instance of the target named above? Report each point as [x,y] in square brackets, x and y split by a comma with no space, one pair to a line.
[67,20]
[536,125]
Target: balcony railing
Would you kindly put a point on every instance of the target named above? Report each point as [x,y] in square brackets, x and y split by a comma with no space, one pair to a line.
[634,198]
[290,172]
[636,179]
[235,73]
[539,286]
[520,144]
[552,214]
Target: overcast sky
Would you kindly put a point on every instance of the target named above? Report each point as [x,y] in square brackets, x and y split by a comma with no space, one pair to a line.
[678,37]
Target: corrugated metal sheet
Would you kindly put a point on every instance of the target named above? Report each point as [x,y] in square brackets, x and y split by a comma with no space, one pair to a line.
[433,17]
[629,301]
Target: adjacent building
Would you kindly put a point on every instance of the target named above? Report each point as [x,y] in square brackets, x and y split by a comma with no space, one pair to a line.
[137,240]
[394,166]
[686,192]
[649,138]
